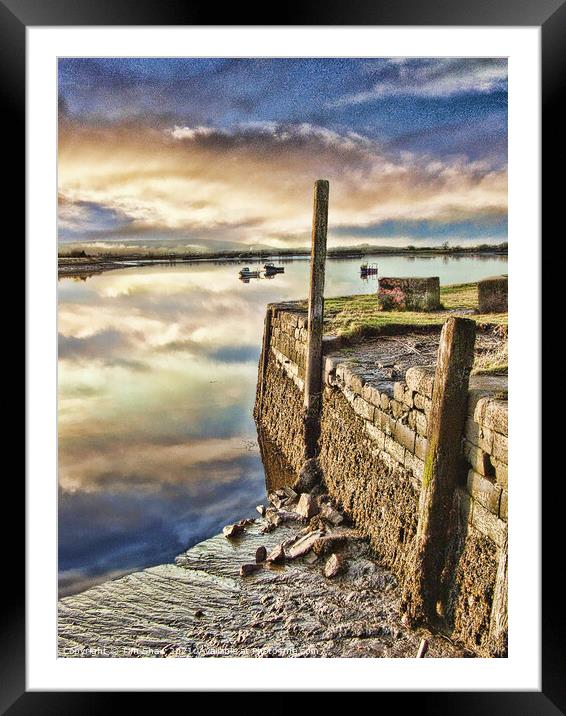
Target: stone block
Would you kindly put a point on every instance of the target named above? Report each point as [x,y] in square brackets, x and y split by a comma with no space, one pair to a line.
[404,436]
[496,416]
[420,380]
[479,435]
[409,294]
[492,295]
[353,381]
[397,408]
[364,409]
[371,394]
[349,395]
[377,435]
[478,459]
[384,399]
[501,472]
[329,370]
[408,398]
[414,465]
[503,505]
[421,445]
[484,491]
[500,448]
[412,419]
[488,524]
[477,407]
[421,425]
[384,421]
[399,391]
[393,448]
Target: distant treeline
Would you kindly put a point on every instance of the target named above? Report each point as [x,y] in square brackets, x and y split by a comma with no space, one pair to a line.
[339,252]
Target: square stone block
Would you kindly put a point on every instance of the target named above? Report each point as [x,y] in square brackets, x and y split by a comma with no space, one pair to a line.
[492,295]
[409,294]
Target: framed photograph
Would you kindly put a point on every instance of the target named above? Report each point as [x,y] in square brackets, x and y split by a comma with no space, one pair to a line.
[271,364]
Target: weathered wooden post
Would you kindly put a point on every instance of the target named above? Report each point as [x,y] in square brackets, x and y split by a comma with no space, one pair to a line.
[313,375]
[442,464]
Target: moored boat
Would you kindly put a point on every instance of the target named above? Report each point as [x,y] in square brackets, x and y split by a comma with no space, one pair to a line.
[247,273]
[272,269]
[368,269]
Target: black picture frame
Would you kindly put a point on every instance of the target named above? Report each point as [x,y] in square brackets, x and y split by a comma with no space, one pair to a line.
[550,15]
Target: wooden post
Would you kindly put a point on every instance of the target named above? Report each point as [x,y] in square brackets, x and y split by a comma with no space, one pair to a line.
[313,376]
[443,464]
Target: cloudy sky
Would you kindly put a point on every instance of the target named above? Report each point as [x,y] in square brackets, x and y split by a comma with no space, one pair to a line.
[215,153]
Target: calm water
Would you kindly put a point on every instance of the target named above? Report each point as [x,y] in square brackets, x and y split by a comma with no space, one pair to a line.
[157,375]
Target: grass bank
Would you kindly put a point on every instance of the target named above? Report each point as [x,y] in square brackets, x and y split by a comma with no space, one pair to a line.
[359,316]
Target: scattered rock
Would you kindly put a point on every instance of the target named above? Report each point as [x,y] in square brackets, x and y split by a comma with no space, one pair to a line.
[273,517]
[311,557]
[285,516]
[291,494]
[331,515]
[276,500]
[307,506]
[328,543]
[276,555]
[309,475]
[260,555]
[247,569]
[334,565]
[261,509]
[199,613]
[302,545]
[231,531]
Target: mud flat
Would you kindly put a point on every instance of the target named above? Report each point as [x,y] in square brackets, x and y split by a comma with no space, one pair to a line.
[201,606]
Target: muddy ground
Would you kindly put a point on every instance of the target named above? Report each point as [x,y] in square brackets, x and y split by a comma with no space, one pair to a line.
[202,607]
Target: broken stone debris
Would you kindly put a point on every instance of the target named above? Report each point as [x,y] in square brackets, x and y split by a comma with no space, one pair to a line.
[247,569]
[303,545]
[331,515]
[334,565]
[231,531]
[236,529]
[276,555]
[260,555]
[307,506]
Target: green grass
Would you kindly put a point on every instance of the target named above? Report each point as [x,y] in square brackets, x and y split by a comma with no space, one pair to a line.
[358,316]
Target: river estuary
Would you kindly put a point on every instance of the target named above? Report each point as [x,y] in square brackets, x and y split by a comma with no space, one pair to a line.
[157,377]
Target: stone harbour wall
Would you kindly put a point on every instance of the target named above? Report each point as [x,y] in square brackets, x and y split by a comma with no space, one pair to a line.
[372,448]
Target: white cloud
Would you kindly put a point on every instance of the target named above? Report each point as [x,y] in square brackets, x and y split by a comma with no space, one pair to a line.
[431,78]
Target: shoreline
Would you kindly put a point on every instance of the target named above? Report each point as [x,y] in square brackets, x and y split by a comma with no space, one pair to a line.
[202,606]
[83,267]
